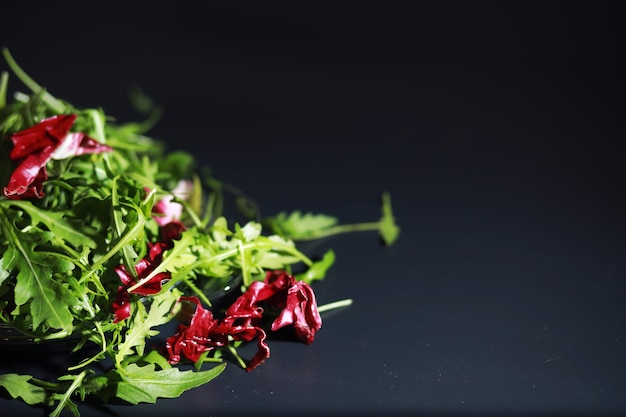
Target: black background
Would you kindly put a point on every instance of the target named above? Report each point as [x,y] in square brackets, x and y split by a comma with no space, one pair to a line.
[497,128]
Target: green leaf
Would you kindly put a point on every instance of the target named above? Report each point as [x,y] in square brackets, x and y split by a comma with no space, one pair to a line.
[308,226]
[49,300]
[55,222]
[65,399]
[20,386]
[146,384]
[179,163]
[299,225]
[318,270]
[389,231]
[174,259]
[142,325]
[5,273]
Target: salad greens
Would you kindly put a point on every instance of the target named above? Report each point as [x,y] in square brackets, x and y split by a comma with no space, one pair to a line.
[105,237]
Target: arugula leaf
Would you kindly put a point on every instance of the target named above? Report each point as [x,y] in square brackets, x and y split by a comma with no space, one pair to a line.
[65,398]
[56,222]
[298,225]
[389,230]
[145,384]
[49,301]
[308,226]
[318,270]
[143,325]
[20,386]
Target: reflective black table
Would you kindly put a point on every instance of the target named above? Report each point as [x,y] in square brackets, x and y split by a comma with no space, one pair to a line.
[496,129]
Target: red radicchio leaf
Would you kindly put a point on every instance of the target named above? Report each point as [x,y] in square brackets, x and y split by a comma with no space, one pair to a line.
[247,334]
[170,232]
[205,333]
[49,132]
[280,290]
[198,337]
[35,146]
[143,268]
[301,312]
[121,305]
[295,299]
[78,144]
[27,179]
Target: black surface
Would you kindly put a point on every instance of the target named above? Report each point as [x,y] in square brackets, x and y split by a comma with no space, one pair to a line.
[496,126]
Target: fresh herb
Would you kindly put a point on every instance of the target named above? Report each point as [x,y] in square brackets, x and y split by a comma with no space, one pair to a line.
[307,226]
[106,239]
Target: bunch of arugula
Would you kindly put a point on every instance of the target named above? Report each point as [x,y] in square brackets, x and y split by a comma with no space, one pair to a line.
[58,254]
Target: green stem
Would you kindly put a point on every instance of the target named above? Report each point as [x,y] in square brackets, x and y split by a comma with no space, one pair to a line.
[191,212]
[120,226]
[126,239]
[97,355]
[65,399]
[245,271]
[197,291]
[339,229]
[4,82]
[240,361]
[56,105]
[334,305]
[98,125]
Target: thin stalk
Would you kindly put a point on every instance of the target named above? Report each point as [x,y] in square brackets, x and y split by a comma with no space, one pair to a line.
[342,228]
[56,105]
[334,305]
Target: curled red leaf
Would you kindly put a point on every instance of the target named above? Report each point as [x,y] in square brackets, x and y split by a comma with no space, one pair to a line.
[35,146]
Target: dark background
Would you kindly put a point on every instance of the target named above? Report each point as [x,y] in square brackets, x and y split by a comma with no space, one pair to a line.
[497,128]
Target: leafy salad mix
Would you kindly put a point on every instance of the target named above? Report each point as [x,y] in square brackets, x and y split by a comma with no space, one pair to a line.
[106,238]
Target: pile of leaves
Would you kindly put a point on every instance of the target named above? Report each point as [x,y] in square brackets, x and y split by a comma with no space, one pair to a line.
[106,238]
